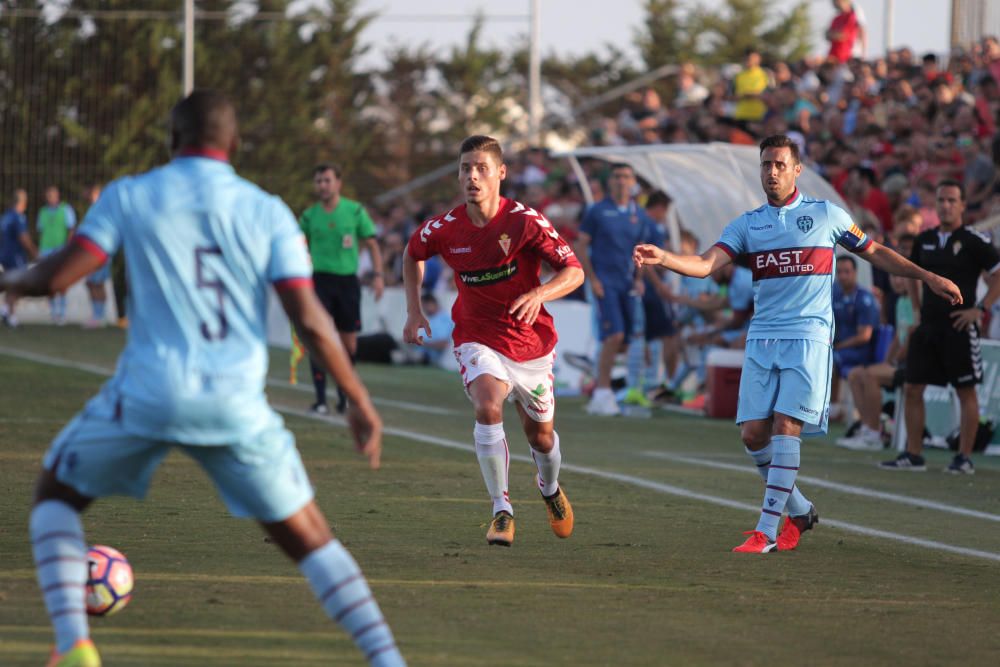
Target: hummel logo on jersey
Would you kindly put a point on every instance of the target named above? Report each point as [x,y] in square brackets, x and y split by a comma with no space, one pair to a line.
[762,228]
[804,223]
[460,251]
[771,501]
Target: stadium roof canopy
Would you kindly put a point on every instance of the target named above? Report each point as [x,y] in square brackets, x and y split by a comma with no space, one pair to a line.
[710,183]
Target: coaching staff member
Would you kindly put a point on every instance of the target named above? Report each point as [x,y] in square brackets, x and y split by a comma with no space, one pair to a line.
[944,348]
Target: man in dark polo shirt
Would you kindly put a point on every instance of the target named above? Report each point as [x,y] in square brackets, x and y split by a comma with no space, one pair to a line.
[944,348]
[335,227]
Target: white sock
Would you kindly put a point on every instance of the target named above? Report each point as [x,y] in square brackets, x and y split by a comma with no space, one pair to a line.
[548,467]
[494,459]
[342,589]
[61,564]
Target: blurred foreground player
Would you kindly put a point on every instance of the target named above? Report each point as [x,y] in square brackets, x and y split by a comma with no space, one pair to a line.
[504,338]
[785,385]
[202,247]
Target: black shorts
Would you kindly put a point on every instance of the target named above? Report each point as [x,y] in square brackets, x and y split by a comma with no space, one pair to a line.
[940,355]
[341,296]
[658,321]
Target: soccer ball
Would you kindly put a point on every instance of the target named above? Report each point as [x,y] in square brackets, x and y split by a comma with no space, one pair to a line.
[109,582]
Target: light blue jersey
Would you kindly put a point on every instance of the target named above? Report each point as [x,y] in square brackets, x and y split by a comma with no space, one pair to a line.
[791,255]
[202,246]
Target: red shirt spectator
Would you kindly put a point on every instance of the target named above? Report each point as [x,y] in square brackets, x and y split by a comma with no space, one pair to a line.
[843,32]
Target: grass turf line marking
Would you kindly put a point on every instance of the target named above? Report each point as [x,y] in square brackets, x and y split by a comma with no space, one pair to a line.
[631,480]
[834,486]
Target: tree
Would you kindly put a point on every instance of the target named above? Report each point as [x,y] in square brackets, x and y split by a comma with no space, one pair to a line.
[727,33]
[666,37]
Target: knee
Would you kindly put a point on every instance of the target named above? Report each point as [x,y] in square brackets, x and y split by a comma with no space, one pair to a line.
[489,412]
[542,442]
[913,392]
[856,374]
[615,340]
[753,438]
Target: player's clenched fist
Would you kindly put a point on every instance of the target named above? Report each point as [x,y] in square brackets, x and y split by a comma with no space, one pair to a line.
[411,330]
[646,253]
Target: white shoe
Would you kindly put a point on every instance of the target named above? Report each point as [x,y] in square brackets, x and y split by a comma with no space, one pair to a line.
[603,404]
[866,441]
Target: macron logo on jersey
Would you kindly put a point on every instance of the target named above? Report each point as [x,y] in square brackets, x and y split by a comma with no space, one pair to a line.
[782,263]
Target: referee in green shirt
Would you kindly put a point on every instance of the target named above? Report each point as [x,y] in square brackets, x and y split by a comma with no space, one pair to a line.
[335,227]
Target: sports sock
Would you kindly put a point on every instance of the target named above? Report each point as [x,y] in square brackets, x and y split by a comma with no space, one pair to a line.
[61,564]
[797,504]
[98,307]
[61,306]
[651,374]
[494,458]
[634,360]
[319,381]
[548,467]
[342,589]
[780,480]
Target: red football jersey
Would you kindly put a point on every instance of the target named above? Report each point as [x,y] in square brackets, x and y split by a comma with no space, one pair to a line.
[493,266]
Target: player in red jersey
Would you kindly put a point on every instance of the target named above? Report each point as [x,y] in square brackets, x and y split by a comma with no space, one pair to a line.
[504,338]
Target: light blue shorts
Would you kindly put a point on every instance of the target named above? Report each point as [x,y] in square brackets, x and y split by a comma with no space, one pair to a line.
[787,376]
[261,476]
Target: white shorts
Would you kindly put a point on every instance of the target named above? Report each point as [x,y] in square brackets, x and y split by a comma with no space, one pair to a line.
[528,382]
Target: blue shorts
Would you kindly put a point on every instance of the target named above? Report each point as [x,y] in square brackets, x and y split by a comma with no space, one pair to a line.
[787,376]
[101,275]
[261,476]
[614,312]
[847,359]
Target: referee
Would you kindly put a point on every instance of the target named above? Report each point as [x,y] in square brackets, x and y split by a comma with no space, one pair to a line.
[334,228]
[944,348]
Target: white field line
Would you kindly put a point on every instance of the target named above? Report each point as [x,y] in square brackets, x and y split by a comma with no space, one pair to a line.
[835,486]
[639,482]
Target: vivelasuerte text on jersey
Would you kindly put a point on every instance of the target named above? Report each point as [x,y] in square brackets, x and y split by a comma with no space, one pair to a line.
[790,250]
[494,265]
[202,246]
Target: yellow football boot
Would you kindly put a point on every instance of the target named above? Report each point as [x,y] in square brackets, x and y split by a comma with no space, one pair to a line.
[501,530]
[560,513]
[83,654]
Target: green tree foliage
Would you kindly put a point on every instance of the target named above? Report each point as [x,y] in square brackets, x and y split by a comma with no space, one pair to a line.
[675,31]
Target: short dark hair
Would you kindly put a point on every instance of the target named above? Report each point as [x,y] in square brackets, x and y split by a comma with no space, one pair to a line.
[952,183]
[781,141]
[484,143]
[850,260]
[615,166]
[325,166]
[658,198]
[205,118]
[866,173]
[905,238]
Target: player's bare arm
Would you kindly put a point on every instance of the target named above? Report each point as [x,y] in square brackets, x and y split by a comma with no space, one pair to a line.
[316,331]
[525,307]
[55,273]
[378,280]
[413,277]
[582,249]
[697,266]
[892,262]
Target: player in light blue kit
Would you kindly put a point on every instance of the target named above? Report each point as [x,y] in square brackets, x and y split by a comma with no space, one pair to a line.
[202,247]
[789,243]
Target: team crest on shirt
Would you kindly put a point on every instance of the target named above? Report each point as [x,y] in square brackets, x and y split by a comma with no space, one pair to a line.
[505,243]
[956,247]
[805,223]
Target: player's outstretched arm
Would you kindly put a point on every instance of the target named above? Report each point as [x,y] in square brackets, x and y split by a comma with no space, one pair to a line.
[527,306]
[55,273]
[413,278]
[892,262]
[316,331]
[697,266]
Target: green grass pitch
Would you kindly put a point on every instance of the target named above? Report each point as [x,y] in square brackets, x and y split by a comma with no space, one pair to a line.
[646,579]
